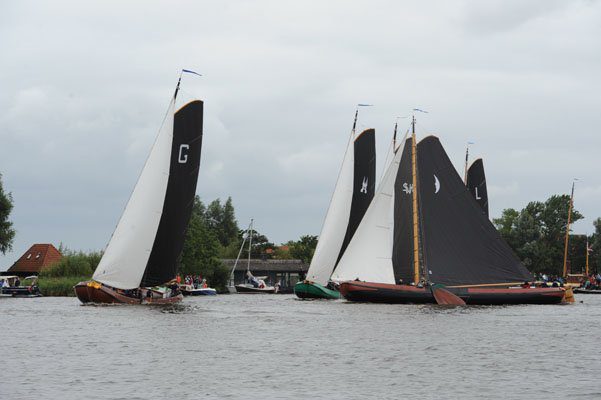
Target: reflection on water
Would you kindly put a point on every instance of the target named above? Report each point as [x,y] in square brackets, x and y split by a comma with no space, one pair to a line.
[275,346]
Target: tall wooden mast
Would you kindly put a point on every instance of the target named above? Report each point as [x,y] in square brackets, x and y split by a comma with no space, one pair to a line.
[567,238]
[415,216]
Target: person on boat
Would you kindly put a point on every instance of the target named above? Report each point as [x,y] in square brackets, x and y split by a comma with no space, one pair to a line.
[17,282]
[252,280]
[526,285]
[204,284]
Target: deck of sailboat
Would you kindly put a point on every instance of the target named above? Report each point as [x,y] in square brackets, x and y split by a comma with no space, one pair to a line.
[389,293]
[249,289]
[92,292]
[312,290]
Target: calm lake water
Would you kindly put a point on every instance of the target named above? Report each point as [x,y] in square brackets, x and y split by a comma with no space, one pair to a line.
[275,346]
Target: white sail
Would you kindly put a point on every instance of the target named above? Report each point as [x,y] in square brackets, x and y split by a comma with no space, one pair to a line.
[124,261]
[368,256]
[336,221]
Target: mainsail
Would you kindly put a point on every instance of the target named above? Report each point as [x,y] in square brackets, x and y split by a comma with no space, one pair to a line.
[461,246]
[368,255]
[148,239]
[476,183]
[402,249]
[353,192]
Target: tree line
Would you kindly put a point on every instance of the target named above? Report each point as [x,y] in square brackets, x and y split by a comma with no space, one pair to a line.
[214,234]
[536,234]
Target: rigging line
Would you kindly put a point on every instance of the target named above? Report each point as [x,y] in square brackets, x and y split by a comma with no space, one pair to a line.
[350,140]
[239,254]
[250,243]
[156,139]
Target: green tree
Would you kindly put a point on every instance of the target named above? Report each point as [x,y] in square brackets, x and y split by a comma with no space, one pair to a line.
[537,233]
[595,243]
[200,254]
[229,225]
[303,248]
[7,233]
[73,264]
[260,243]
[222,220]
[577,253]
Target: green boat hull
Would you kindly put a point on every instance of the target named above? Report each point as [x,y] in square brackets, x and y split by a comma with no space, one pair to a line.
[305,290]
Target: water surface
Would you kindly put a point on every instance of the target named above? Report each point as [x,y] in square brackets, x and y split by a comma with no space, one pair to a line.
[278,347]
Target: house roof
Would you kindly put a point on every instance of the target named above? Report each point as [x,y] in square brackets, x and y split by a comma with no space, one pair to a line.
[268,265]
[38,257]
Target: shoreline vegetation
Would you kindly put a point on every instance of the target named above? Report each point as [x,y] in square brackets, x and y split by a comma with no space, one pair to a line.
[59,286]
[74,267]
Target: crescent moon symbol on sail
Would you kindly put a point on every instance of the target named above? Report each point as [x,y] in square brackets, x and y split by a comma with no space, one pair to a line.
[436,184]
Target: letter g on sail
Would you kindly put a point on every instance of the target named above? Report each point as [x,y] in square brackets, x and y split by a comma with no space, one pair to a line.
[183,153]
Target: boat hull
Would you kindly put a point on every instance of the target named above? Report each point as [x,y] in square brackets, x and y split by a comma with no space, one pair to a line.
[388,293]
[199,292]
[587,291]
[312,290]
[94,292]
[251,289]
[21,291]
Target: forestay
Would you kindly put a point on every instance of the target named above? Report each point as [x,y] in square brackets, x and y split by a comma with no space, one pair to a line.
[336,221]
[125,258]
[352,195]
[148,239]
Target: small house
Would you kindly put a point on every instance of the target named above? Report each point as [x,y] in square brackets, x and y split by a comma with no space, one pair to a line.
[34,260]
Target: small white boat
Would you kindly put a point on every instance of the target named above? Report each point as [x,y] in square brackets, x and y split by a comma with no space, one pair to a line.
[190,290]
[252,284]
[255,285]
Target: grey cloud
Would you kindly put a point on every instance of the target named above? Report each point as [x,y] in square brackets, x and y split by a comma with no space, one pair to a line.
[85,86]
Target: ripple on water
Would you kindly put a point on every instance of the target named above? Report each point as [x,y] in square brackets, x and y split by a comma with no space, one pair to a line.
[247,347]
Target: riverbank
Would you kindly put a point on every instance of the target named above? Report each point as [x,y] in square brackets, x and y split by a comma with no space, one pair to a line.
[59,286]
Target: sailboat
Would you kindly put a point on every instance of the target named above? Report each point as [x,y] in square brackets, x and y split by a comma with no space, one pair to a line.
[253,284]
[352,195]
[476,183]
[142,254]
[424,235]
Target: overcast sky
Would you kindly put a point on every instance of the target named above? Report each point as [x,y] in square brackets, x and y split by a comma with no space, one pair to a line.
[84,87]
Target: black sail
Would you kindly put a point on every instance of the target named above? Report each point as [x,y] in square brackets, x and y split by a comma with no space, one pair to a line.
[402,245]
[179,197]
[364,183]
[462,247]
[476,183]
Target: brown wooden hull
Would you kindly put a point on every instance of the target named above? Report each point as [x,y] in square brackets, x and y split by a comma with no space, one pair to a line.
[93,292]
[388,293]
